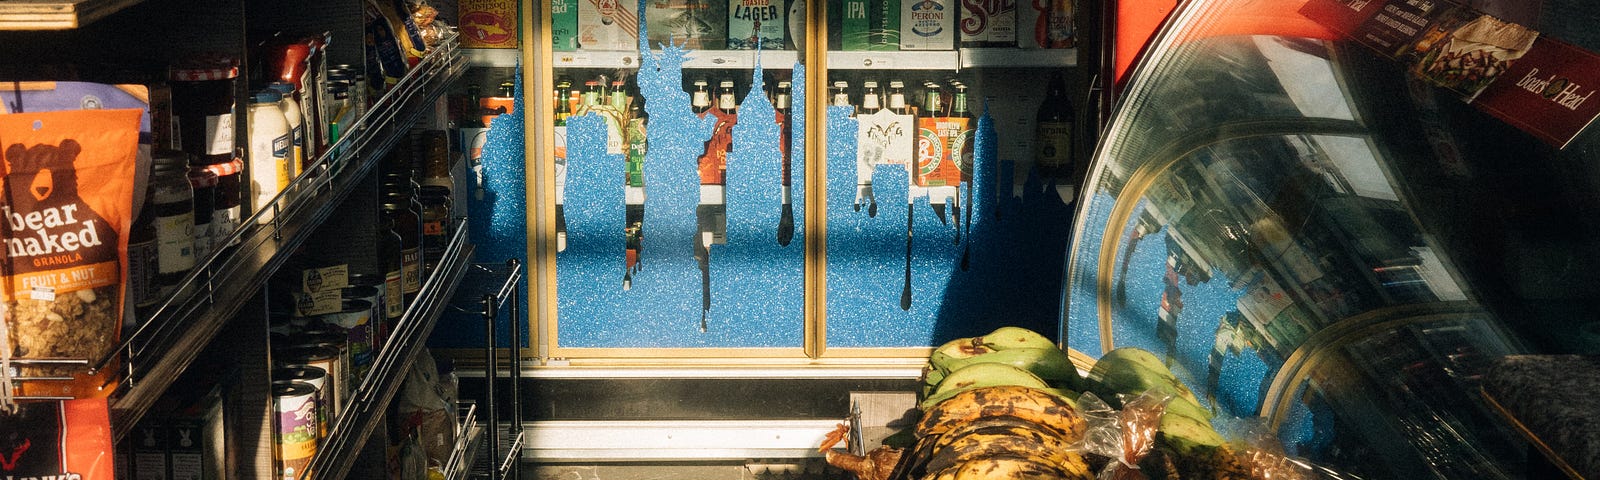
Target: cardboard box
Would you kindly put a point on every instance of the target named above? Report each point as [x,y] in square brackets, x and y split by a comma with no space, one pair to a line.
[564,24]
[884,25]
[928,25]
[855,28]
[743,17]
[989,24]
[697,24]
[150,450]
[488,23]
[608,25]
[1032,23]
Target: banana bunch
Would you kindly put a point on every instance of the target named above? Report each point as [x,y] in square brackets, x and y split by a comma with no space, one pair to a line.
[1041,363]
[1185,425]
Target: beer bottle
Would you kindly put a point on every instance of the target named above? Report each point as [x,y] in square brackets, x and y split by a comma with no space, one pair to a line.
[591,93]
[701,100]
[574,97]
[962,144]
[619,96]
[841,96]
[897,98]
[563,109]
[473,118]
[869,100]
[1053,129]
[726,98]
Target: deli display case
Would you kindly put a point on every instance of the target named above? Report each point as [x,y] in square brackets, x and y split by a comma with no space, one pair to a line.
[1332,228]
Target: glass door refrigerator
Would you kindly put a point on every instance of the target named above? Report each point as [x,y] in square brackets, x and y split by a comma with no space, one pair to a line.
[1324,216]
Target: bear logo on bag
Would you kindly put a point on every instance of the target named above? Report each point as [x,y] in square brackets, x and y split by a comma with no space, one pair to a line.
[46,221]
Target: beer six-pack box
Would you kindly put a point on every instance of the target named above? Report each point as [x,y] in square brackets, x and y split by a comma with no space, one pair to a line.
[756,23]
[488,23]
[1033,18]
[608,25]
[990,23]
[564,24]
[872,25]
[928,25]
[696,24]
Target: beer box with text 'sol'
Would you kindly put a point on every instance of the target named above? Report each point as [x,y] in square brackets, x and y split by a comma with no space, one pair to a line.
[989,23]
[928,25]
[753,23]
[608,25]
[488,23]
[564,25]
[695,24]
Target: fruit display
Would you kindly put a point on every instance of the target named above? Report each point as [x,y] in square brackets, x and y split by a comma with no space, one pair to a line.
[1012,405]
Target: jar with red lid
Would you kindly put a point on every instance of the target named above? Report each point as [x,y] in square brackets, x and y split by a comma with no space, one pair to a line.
[203,107]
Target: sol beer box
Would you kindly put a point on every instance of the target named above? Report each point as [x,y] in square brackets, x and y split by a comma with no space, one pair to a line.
[696,24]
[756,23]
[928,25]
[608,25]
[564,25]
[990,23]
[488,23]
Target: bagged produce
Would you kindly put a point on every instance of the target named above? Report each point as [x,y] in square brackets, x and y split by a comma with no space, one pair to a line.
[67,204]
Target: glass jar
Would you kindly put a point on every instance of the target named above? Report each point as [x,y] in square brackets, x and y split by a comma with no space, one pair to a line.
[226,200]
[270,149]
[144,289]
[392,248]
[204,183]
[436,226]
[172,199]
[203,105]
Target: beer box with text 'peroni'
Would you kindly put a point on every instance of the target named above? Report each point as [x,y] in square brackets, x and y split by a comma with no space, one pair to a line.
[928,25]
[695,24]
[488,23]
[608,25]
[753,23]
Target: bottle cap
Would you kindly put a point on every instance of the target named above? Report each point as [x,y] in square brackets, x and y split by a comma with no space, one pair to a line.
[896,84]
[726,84]
[267,96]
[870,84]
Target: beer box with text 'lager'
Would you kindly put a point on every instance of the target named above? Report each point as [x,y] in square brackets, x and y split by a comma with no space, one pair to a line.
[989,23]
[928,25]
[695,24]
[488,23]
[564,25]
[608,25]
[753,23]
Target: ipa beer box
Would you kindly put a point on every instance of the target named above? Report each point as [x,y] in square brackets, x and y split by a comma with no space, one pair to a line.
[697,24]
[928,25]
[753,23]
[564,24]
[488,23]
[608,25]
[989,24]
[855,28]
[885,25]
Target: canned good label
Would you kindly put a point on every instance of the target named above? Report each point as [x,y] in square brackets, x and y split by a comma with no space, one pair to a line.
[334,278]
[318,303]
[393,295]
[297,432]
[219,134]
[175,235]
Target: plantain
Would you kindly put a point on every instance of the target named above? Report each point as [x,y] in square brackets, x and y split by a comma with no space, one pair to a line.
[1008,338]
[955,350]
[1188,436]
[931,377]
[981,375]
[1133,371]
[1048,363]
[1000,435]
[1030,404]
[1008,467]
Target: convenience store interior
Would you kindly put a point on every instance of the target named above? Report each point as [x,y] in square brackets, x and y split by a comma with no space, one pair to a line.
[694,240]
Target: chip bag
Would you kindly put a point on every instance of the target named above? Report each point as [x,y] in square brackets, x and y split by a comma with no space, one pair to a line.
[60,439]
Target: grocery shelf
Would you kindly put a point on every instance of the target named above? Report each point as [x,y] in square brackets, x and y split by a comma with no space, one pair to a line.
[469,435]
[370,399]
[773,59]
[1017,57]
[220,285]
[906,60]
[57,14]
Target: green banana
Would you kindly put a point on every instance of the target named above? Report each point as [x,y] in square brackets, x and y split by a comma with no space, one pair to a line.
[1030,404]
[955,350]
[1133,371]
[1008,338]
[931,377]
[1188,436]
[981,375]
[1047,363]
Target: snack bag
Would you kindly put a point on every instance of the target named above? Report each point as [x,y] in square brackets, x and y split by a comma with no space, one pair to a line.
[1125,436]
[61,439]
[66,202]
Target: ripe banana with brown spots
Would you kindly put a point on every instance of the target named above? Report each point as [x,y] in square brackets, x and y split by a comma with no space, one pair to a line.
[1029,404]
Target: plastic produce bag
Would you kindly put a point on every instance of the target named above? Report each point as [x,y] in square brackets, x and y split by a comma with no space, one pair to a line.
[424,411]
[1125,436]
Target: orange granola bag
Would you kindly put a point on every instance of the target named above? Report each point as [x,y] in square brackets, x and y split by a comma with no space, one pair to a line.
[66,205]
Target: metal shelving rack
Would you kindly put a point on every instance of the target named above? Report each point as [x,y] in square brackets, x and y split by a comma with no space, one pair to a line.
[504,439]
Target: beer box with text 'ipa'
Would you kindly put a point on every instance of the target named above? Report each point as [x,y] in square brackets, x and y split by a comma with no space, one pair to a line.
[608,25]
[753,23]
[564,24]
[989,23]
[928,25]
[488,23]
[696,24]
[854,25]
[872,25]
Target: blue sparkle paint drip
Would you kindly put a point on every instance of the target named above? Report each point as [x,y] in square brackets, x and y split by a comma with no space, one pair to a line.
[497,222]
[797,151]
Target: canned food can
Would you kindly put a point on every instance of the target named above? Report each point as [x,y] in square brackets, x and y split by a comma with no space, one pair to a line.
[326,358]
[316,378]
[339,340]
[356,321]
[296,429]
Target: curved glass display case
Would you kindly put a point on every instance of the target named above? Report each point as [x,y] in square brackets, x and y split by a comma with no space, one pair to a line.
[1322,243]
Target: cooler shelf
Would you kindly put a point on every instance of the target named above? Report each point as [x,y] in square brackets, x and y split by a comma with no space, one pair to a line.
[57,14]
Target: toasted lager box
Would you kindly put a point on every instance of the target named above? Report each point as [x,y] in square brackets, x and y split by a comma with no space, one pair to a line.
[753,23]
[564,24]
[928,25]
[699,24]
[488,23]
[991,23]
[608,25]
